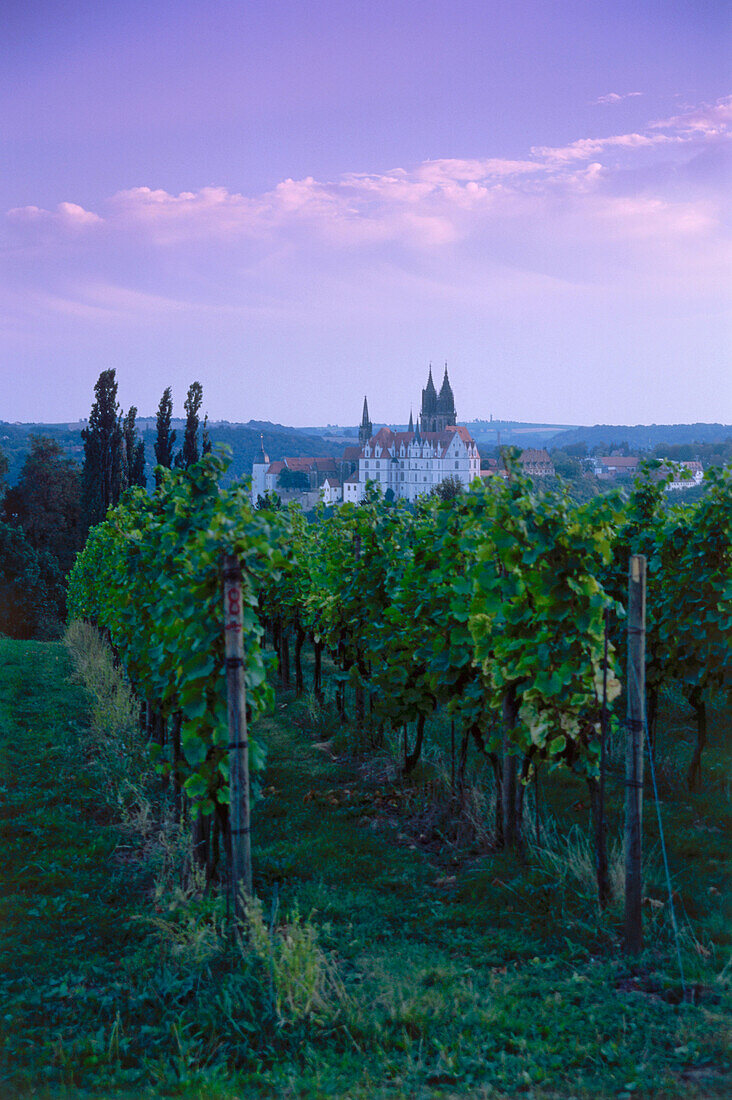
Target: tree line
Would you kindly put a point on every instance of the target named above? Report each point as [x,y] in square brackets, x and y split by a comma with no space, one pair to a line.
[46,516]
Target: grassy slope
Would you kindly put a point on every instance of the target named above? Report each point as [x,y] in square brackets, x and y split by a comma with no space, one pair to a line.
[500,982]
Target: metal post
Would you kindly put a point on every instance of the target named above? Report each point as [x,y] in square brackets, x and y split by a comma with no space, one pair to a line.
[241,856]
[634,753]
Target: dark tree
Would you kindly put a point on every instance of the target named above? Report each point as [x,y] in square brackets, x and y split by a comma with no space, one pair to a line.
[449,488]
[566,465]
[134,450]
[165,437]
[103,452]
[293,479]
[31,590]
[46,501]
[269,500]
[192,406]
[3,471]
[205,437]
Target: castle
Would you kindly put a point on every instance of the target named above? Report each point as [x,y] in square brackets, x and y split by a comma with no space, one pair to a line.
[412,463]
[404,464]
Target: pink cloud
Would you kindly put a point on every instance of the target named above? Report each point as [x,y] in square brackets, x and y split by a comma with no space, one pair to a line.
[614,97]
[708,120]
[437,203]
[67,214]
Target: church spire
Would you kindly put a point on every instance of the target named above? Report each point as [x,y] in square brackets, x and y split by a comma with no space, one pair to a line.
[411,422]
[429,405]
[445,404]
[366,430]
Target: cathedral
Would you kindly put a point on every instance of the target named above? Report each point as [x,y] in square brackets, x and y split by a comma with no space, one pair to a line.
[412,463]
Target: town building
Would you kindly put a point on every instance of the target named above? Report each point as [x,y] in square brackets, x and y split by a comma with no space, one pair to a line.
[610,467]
[536,463]
[684,475]
[301,478]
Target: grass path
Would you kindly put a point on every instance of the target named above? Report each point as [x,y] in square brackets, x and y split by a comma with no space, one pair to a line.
[494,984]
[66,907]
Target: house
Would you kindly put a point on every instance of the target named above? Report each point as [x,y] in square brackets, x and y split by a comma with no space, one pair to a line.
[685,475]
[331,491]
[536,463]
[610,467]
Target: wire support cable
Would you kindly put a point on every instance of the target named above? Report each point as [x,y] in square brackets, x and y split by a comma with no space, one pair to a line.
[664,853]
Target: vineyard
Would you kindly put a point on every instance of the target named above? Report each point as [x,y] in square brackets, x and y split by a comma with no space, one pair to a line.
[462,661]
[503,609]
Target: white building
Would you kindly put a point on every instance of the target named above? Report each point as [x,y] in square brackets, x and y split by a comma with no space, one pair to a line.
[412,463]
[685,475]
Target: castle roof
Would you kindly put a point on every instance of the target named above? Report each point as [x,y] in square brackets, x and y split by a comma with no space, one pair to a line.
[388,440]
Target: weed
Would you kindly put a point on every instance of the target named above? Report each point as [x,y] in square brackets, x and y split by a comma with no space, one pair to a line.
[304,980]
[117,758]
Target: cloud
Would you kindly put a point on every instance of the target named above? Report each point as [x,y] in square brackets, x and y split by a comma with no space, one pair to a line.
[67,214]
[614,97]
[710,120]
[592,147]
[598,211]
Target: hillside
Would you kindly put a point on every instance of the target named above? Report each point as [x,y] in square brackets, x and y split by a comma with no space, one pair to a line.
[244,440]
[280,440]
[642,436]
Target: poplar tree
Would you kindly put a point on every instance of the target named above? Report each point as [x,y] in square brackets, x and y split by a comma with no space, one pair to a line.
[134,450]
[165,437]
[192,405]
[205,437]
[102,476]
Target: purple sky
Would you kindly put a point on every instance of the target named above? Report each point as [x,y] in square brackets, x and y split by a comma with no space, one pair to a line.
[297,203]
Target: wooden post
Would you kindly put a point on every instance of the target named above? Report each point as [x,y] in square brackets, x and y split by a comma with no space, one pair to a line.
[510,772]
[634,753]
[603,885]
[241,855]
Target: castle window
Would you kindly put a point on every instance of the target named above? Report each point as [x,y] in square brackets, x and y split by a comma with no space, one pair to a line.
[366,464]
[457,464]
[378,464]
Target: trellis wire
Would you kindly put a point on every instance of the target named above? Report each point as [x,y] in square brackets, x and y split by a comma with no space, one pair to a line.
[663,850]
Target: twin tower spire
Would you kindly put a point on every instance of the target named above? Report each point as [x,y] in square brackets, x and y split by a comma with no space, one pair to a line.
[438,410]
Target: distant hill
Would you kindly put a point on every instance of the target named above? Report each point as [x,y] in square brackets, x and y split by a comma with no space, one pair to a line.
[244,440]
[642,437]
[281,440]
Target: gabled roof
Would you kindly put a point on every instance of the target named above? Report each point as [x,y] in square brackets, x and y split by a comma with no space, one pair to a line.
[618,460]
[303,464]
[532,454]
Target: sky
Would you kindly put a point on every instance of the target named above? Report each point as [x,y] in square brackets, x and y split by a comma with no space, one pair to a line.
[299,202]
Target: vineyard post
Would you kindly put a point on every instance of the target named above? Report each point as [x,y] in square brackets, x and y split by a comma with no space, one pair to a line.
[241,855]
[603,885]
[634,753]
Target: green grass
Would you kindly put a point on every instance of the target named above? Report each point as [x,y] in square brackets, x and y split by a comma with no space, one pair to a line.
[465,974]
